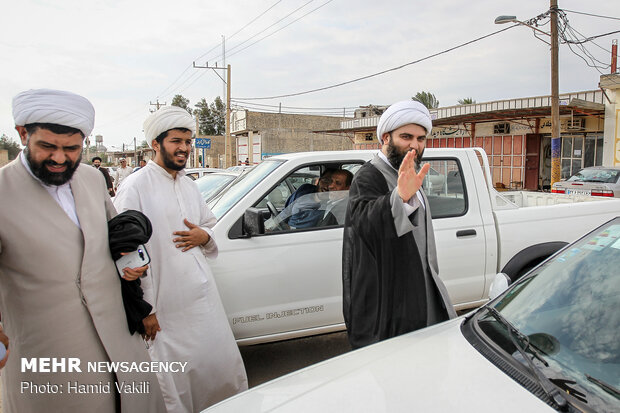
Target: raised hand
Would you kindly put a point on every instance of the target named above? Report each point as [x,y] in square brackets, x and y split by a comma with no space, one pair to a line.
[410,181]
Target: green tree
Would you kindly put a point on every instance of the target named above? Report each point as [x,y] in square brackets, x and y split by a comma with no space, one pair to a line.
[211,117]
[182,102]
[427,99]
[10,145]
[467,101]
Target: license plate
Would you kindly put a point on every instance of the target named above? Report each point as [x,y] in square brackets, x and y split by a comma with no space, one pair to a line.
[578,192]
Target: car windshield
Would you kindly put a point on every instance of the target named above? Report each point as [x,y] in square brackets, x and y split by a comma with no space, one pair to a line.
[211,184]
[568,311]
[607,176]
[222,203]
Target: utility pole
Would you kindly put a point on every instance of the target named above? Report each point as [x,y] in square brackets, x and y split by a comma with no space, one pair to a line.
[228,147]
[135,152]
[157,105]
[556,141]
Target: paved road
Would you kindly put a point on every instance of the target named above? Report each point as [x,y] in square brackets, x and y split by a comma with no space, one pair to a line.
[264,362]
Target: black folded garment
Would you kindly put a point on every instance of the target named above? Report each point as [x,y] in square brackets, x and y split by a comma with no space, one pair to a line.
[126,231]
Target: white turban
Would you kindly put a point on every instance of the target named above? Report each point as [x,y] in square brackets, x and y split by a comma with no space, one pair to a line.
[54,106]
[404,113]
[166,118]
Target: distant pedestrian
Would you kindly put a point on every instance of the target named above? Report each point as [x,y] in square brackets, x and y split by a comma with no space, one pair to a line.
[121,173]
[96,161]
[142,164]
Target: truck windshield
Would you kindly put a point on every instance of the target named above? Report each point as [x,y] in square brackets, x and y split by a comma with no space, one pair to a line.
[567,310]
[244,184]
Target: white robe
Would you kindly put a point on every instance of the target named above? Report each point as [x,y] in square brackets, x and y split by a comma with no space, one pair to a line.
[182,290]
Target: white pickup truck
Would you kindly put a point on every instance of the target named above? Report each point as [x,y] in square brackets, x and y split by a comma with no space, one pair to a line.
[280,281]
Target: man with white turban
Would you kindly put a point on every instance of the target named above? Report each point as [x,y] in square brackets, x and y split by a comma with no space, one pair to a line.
[390,276]
[188,321]
[60,293]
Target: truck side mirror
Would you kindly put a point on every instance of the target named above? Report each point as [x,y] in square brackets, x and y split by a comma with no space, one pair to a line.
[253,222]
[499,285]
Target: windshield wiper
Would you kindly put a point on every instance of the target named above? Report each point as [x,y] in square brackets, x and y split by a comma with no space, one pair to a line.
[605,386]
[547,385]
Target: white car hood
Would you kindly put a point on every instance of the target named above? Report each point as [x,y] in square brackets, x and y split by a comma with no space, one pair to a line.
[431,370]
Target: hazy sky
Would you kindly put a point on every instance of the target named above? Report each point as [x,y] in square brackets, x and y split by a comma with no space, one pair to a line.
[123,55]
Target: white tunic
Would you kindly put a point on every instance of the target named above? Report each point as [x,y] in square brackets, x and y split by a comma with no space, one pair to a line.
[182,290]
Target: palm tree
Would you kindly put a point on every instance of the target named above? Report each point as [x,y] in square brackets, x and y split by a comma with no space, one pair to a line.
[467,101]
[427,99]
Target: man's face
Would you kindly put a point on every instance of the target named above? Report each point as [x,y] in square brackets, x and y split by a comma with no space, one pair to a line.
[174,150]
[407,138]
[324,182]
[142,164]
[97,163]
[53,157]
[339,182]
[123,164]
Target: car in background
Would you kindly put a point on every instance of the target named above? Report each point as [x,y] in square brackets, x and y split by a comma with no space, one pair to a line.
[550,342]
[239,168]
[211,184]
[594,180]
[195,173]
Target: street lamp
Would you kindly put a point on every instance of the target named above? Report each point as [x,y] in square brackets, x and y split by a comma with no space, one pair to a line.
[555,85]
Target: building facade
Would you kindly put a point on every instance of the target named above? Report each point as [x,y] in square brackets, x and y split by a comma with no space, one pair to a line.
[516,133]
[260,134]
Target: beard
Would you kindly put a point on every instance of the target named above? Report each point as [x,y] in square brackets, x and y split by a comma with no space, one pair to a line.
[169,159]
[52,178]
[396,156]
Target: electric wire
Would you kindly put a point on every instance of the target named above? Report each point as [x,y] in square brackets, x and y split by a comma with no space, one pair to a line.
[264,30]
[167,89]
[381,72]
[281,28]
[590,14]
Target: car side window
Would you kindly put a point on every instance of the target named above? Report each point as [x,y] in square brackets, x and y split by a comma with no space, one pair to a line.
[445,189]
[302,201]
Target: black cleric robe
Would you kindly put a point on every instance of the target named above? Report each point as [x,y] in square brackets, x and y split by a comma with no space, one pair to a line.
[389,265]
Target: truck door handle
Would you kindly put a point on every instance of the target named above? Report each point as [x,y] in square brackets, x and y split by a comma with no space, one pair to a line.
[465,233]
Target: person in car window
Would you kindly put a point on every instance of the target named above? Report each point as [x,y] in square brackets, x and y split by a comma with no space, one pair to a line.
[389,264]
[338,197]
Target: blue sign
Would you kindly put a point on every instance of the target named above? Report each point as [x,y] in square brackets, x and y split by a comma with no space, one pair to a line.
[203,143]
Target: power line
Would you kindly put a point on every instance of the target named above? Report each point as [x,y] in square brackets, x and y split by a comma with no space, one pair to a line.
[590,14]
[210,50]
[383,71]
[265,29]
[281,28]
[291,107]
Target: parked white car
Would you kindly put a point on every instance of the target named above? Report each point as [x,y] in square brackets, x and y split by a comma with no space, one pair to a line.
[595,180]
[279,282]
[195,173]
[211,184]
[548,343]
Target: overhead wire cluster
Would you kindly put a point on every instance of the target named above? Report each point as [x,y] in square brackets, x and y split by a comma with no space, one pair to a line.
[578,43]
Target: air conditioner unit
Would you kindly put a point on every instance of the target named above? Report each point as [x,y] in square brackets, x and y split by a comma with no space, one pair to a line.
[576,124]
[501,128]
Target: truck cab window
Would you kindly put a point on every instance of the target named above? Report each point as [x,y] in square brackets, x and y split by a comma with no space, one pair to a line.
[445,189]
